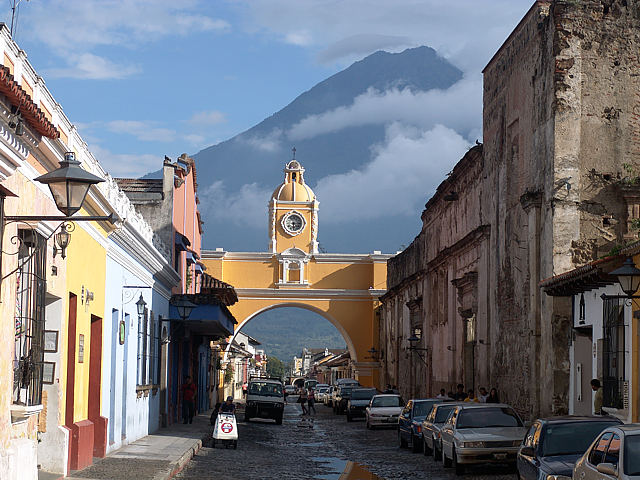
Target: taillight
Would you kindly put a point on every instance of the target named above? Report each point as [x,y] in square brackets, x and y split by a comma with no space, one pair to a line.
[419,429]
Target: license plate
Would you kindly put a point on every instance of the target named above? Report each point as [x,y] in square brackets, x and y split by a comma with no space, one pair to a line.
[391,419]
[500,456]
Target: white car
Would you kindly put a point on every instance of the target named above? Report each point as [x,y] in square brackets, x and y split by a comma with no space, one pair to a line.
[481,433]
[384,410]
[615,454]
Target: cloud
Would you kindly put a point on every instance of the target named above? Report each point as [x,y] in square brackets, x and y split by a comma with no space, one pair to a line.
[459,107]
[73,29]
[457,29]
[245,208]
[126,165]
[403,173]
[212,117]
[92,67]
[362,44]
[265,143]
[143,130]
[302,39]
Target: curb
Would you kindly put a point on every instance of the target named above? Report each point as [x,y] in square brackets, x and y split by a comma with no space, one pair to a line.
[179,465]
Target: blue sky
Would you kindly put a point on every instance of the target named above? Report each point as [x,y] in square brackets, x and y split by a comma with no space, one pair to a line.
[146,78]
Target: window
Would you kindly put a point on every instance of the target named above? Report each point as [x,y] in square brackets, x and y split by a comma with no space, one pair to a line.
[148,339]
[613,353]
[488,418]
[597,454]
[29,318]
[613,452]
[571,438]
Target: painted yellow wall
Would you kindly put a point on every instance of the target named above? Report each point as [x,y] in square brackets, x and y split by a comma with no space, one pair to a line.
[303,239]
[86,267]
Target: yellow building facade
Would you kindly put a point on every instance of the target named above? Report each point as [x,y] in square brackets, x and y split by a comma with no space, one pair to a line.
[343,288]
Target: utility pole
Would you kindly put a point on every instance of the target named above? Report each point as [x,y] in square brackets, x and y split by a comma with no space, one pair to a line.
[14,15]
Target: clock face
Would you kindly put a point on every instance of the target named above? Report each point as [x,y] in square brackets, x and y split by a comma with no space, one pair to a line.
[293,223]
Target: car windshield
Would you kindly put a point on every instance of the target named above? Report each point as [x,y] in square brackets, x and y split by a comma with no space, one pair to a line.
[570,438]
[442,413]
[362,394]
[632,455]
[422,409]
[487,418]
[265,388]
[386,402]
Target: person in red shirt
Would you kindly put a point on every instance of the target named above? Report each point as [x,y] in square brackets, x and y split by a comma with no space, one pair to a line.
[188,400]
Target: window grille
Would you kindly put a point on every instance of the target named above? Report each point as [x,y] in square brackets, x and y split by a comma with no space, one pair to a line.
[29,318]
[613,353]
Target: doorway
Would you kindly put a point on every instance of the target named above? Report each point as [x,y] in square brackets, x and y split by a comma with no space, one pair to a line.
[582,372]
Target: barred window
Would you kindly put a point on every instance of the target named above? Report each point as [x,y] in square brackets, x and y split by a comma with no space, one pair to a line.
[29,318]
[613,353]
[148,347]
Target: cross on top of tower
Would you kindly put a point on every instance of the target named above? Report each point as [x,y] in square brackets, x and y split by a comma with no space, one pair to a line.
[294,152]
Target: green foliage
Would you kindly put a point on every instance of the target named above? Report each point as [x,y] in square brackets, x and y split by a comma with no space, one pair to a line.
[632,178]
[635,224]
[275,367]
[228,374]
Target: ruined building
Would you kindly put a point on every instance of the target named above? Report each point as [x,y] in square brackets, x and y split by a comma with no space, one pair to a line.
[552,187]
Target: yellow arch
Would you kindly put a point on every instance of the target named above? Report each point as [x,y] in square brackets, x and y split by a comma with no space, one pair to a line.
[312,308]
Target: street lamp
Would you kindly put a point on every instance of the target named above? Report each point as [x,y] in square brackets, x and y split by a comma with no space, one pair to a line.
[184,308]
[140,306]
[69,184]
[373,353]
[628,277]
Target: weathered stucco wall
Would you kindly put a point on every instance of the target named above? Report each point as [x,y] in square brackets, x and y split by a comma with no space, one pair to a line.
[556,189]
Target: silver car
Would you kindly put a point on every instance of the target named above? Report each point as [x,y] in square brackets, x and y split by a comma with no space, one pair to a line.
[481,433]
[615,454]
[431,427]
[384,410]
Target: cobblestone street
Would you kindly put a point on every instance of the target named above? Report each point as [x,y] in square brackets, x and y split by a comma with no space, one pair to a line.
[269,451]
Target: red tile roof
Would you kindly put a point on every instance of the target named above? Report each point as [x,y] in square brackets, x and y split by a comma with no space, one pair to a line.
[28,109]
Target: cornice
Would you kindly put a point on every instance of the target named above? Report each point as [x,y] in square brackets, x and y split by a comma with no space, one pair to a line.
[316,294]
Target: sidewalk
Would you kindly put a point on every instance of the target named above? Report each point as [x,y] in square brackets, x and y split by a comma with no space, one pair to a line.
[159,456]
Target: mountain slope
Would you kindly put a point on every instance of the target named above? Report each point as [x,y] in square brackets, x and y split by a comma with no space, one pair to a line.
[256,157]
[283,332]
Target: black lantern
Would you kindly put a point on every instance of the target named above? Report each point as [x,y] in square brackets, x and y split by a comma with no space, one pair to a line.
[628,277]
[140,305]
[61,240]
[582,310]
[413,339]
[184,308]
[69,184]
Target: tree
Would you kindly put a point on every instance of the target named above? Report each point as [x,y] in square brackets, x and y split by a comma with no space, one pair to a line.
[275,367]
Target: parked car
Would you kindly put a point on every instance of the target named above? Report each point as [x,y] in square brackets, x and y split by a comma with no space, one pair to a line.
[431,427]
[320,393]
[360,398]
[553,445]
[410,422]
[384,410]
[342,398]
[289,389]
[481,433]
[615,454]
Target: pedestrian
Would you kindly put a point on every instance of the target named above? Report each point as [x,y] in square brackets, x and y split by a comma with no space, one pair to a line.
[188,400]
[214,414]
[395,390]
[471,397]
[598,397]
[228,406]
[302,400]
[388,389]
[493,396]
[460,395]
[244,389]
[483,395]
[442,395]
[311,401]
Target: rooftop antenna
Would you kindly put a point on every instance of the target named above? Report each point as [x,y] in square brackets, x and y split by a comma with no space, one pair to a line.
[14,15]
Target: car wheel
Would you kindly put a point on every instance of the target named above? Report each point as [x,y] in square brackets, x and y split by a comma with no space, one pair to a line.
[402,443]
[445,461]
[279,420]
[459,467]
[416,444]
[425,448]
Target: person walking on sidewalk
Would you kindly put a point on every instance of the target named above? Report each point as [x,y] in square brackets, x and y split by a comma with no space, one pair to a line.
[188,400]
[311,401]
[598,397]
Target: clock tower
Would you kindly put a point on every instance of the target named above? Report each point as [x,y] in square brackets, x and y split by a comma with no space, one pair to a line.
[293,213]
